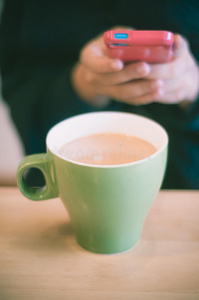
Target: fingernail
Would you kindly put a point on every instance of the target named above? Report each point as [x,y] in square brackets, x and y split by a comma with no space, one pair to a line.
[157,84]
[143,69]
[117,65]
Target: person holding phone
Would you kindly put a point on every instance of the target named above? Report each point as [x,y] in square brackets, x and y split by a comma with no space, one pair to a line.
[97,76]
[54,59]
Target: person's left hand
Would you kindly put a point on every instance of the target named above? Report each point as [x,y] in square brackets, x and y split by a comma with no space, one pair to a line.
[180,77]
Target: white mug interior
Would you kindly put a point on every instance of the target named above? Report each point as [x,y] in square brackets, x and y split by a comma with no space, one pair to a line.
[106,122]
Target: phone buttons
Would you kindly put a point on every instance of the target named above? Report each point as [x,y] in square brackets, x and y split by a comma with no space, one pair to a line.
[121,36]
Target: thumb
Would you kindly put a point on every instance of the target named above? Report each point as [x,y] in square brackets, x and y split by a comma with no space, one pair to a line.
[94,58]
[180,45]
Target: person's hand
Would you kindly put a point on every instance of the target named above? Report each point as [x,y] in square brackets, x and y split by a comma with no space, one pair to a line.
[98,78]
[179,78]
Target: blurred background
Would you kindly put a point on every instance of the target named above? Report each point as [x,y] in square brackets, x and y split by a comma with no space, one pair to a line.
[11,148]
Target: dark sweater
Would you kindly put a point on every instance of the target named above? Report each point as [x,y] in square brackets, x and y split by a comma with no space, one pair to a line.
[40,42]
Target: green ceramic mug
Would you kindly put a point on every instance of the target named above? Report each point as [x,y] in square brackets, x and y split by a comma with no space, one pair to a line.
[107,205]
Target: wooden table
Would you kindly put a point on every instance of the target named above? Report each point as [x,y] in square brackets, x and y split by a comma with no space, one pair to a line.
[39,258]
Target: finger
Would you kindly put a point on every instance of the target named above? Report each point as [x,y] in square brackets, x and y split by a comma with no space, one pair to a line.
[183,88]
[187,80]
[94,57]
[181,62]
[146,99]
[168,85]
[128,73]
[174,97]
[180,45]
[169,70]
[171,92]
[128,91]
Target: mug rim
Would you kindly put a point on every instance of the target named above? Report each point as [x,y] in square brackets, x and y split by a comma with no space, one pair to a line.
[140,161]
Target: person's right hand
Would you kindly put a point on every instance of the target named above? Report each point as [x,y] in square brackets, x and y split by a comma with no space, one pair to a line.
[97,78]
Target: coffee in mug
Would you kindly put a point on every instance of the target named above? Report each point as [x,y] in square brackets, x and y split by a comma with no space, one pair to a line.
[107,149]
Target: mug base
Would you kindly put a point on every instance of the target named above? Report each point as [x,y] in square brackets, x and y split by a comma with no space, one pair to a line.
[110,251]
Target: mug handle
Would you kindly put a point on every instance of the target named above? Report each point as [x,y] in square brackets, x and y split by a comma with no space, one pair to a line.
[45,163]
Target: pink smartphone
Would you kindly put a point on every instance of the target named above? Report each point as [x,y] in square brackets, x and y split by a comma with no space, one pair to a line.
[140,45]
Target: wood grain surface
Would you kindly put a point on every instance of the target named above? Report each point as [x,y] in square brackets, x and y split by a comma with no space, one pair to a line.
[40,259]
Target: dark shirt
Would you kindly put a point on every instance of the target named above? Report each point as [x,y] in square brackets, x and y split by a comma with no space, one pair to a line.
[40,42]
